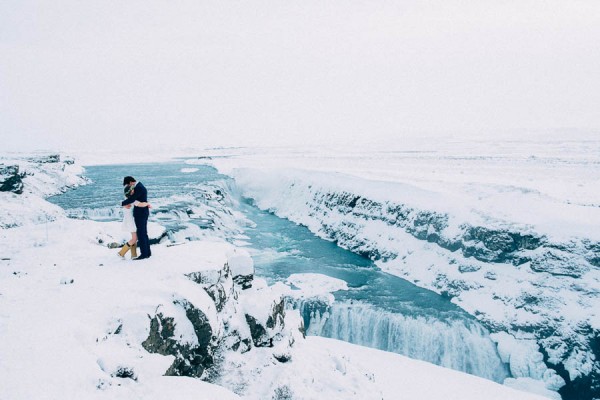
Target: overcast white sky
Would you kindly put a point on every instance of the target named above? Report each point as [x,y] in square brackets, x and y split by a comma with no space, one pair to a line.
[104,74]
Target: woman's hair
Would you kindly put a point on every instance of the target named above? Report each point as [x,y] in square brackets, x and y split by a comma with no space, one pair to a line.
[128,191]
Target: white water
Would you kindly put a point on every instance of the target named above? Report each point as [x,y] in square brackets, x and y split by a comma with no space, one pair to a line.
[457,344]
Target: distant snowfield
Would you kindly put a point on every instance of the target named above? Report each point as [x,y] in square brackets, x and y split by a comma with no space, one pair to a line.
[552,186]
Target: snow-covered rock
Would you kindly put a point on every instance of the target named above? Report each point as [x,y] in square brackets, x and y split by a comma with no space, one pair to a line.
[242,267]
[265,313]
[11,180]
[25,179]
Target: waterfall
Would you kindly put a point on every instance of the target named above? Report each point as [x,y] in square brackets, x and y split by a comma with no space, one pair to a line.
[459,344]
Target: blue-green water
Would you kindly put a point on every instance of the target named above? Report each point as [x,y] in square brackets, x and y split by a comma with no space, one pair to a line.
[378,310]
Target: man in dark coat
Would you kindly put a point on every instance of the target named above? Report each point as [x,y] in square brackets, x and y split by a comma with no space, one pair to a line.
[140,215]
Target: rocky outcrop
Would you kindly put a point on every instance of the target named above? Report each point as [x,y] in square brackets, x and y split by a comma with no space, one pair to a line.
[191,359]
[218,284]
[236,319]
[242,268]
[560,263]
[265,332]
[11,180]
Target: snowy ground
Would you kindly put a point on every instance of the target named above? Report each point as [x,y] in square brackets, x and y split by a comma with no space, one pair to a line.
[62,298]
[45,177]
[73,317]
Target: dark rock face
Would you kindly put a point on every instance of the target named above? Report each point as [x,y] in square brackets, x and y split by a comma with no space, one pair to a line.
[558,264]
[245,281]
[283,393]
[218,294]
[190,360]
[10,179]
[125,372]
[452,287]
[583,387]
[205,278]
[468,268]
[242,269]
[593,253]
[491,276]
[162,331]
[425,225]
[277,315]
[503,241]
[258,332]
[481,243]
[282,357]
[263,334]
[492,245]
[157,240]
[219,285]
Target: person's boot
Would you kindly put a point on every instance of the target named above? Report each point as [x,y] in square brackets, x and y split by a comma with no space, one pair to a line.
[134,251]
[124,250]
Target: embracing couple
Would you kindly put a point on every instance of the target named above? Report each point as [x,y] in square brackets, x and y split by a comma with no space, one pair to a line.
[135,218]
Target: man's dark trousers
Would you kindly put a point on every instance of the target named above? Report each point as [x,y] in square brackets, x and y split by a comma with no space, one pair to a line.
[140,216]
